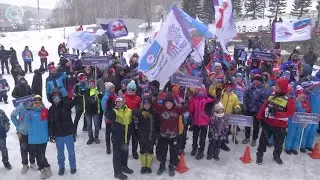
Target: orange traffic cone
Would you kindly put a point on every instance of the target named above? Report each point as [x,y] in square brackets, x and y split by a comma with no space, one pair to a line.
[182,168]
[316,152]
[246,158]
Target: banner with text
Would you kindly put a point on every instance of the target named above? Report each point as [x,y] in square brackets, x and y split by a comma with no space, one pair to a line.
[25,99]
[99,61]
[187,81]
[292,31]
[265,56]
[306,118]
[239,120]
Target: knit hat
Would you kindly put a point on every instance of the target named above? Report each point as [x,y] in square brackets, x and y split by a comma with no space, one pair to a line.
[92,80]
[109,85]
[147,100]
[218,110]
[299,90]
[56,92]
[306,84]
[257,77]
[169,98]
[37,98]
[276,70]
[125,82]
[201,91]
[51,67]
[286,74]
[132,85]
[217,65]
[81,77]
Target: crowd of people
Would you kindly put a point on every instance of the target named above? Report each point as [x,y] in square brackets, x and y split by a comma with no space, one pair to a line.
[134,109]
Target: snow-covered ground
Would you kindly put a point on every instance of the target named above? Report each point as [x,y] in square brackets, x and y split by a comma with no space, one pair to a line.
[93,162]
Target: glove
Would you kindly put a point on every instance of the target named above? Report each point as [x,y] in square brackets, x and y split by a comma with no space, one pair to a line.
[52,139]
[237,110]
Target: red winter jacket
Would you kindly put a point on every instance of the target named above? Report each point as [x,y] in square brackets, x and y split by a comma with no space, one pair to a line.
[197,109]
[280,119]
[132,101]
[43,54]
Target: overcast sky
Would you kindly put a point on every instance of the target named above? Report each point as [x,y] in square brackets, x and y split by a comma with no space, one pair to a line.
[50,4]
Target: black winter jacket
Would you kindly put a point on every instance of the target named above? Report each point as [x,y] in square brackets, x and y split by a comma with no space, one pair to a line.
[146,122]
[37,83]
[21,89]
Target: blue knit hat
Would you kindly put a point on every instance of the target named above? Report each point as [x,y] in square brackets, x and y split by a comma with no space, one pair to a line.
[132,85]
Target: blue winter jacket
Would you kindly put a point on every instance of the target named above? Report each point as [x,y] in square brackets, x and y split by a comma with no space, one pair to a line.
[254,97]
[314,98]
[37,121]
[17,118]
[4,124]
[56,81]
[104,100]
[27,56]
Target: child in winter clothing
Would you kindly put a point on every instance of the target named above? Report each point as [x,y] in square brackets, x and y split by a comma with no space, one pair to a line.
[310,132]
[17,118]
[146,122]
[239,88]
[294,130]
[78,92]
[218,131]
[92,111]
[61,129]
[133,102]
[4,88]
[107,104]
[22,89]
[4,128]
[169,129]
[37,121]
[121,117]
[200,120]
[37,81]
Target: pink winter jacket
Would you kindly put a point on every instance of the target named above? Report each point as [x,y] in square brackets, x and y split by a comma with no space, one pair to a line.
[196,108]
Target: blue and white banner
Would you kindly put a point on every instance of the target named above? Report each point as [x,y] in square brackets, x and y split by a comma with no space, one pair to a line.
[25,99]
[239,120]
[306,118]
[265,56]
[292,31]
[83,39]
[179,33]
[115,29]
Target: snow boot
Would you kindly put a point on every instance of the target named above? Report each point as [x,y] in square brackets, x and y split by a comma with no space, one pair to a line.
[6,102]
[34,167]
[309,149]
[24,169]
[172,171]
[259,158]
[127,170]
[108,149]
[288,152]
[7,165]
[143,162]
[209,157]
[303,150]
[194,151]
[61,171]
[148,170]
[278,160]
[90,141]
[97,140]
[143,170]
[135,155]
[121,176]
[294,152]
[246,141]
[84,129]
[43,174]
[199,155]
[149,163]
[73,171]
[216,158]
[48,172]
[225,147]
[253,143]
[161,169]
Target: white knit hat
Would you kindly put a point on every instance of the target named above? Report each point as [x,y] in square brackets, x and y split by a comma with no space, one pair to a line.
[109,85]
[217,107]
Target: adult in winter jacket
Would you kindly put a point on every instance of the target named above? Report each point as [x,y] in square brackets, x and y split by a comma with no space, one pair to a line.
[13,56]
[101,82]
[56,80]
[107,105]
[62,49]
[4,88]
[22,89]
[16,70]
[310,57]
[64,66]
[105,48]
[292,140]
[310,132]
[275,113]
[266,67]
[61,129]
[43,54]
[4,58]
[4,128]
[37,81]
[133,102]
[92,108]
[27,57]
[169,131]
[145,121]
[253,99]
[36,119]
[121,116]
[200,119]
[17,118]
[78,93]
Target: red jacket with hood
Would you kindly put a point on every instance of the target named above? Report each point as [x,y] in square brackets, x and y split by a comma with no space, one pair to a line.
[133,101]
[281,118]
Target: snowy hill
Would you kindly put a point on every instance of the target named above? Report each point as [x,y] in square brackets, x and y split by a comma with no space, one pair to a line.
[93,163]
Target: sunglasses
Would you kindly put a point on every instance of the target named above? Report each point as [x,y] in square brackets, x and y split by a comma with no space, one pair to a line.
[131,90]
[37,102]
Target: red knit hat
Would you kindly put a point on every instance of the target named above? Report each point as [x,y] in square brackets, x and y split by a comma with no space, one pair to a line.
[299,90]
[81,77]
[51,67]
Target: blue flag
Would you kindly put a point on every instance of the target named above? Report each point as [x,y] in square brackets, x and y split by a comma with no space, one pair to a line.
[115,29]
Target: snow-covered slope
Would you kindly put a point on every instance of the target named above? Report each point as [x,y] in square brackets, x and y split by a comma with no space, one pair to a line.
[93,163]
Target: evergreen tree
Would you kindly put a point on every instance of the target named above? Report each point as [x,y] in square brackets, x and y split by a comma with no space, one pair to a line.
[254,9]
[186,6]
[206,14]
[196,6]
[277,7]
[237,8]
[300,8]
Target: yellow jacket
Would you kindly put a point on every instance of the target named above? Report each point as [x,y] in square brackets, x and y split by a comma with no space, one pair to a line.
[230,102]
[124,117]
